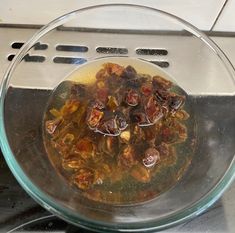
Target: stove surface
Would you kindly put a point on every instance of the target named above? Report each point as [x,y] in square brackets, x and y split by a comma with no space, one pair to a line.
[20,213]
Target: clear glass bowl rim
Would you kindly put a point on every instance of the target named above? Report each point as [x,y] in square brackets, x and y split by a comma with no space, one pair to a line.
[61,211]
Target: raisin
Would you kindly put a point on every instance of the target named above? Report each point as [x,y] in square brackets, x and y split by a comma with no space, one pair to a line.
[160,82]
[151,157]
[94,117]
[132,97]
[129,72]
[175,102]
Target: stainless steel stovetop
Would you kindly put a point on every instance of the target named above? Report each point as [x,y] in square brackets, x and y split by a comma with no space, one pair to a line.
[20,213]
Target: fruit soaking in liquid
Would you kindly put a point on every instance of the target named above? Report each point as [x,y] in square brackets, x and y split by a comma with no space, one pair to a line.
[119,131]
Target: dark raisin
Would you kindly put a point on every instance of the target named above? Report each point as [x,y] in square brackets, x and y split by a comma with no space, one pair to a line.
[129,72]
[153,110]
[121,120]
[162,95]
[109,127]
[133,83]
[132,97]
[160,82]
[175,102]
[78,90]
[139,117]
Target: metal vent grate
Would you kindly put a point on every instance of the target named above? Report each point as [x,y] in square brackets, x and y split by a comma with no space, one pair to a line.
[149,54]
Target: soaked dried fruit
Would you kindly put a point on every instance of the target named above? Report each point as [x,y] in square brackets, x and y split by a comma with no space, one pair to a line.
[112,103]
[84,179]
[175,102]
[132,97]
[163,149]
[127,158]
[51,125]
[129,73]
[181,115]
[109,127]
[113,68]
[78,90]
[125,136]
[151,157]
[160,82]
[73,164]
[70,107]
[146,89]
[94,117]
[115,137]
[85,148]
[140,173]
[153,110]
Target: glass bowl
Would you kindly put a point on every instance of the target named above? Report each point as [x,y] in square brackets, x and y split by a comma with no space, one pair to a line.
[185,53]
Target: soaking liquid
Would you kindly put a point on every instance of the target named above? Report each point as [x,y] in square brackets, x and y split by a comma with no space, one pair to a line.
[119,130]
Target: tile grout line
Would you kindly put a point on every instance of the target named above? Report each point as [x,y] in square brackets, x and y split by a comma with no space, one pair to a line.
[220,12]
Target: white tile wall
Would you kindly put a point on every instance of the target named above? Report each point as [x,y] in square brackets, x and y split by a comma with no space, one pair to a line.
[226,21]
[201,13]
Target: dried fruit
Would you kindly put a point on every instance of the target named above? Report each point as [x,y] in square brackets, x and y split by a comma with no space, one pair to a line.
[109,127]
[102,94]
[127,158]
[160,82]
[100,84]
[68,139]
[73,164]
[117,132]
[121,120]
[94,117]
[125,136]
[97,104]
[140,173]
[112,103]
[175,102]
[108,145]
[129,72]
[78,90]
[146,89]
[84,179]
[132,97]
[139,117]
[51,125]
[151,157]
[70,107]
[85,148]
[113,68]
[153,110]
[54,112]
[181,115]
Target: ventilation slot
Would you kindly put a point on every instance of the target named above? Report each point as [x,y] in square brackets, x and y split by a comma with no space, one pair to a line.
[152,52]
[111,50]
[72,48]
[69,60]
[34,58]
[10,57]
[162,64]
[39,46]
[17,45]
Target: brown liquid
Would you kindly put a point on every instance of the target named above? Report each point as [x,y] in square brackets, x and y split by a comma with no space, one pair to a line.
[112,160]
